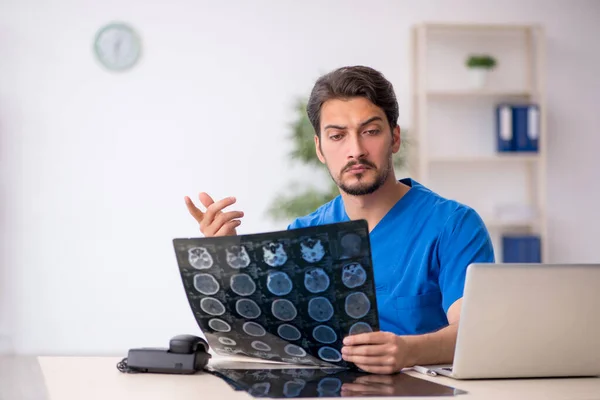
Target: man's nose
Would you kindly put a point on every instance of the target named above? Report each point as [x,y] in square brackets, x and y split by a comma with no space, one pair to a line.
[356,147]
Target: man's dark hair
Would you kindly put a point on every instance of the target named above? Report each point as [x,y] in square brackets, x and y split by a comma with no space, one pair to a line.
[349,82]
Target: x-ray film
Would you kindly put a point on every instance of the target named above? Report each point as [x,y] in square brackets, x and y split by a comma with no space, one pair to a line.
[289,296]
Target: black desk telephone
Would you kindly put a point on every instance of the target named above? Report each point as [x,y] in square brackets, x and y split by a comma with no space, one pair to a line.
[186,354]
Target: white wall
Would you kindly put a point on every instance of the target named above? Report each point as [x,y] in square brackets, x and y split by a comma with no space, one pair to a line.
[95,165]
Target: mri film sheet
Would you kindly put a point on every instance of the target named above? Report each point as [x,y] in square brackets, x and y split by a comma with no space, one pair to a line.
[289,296]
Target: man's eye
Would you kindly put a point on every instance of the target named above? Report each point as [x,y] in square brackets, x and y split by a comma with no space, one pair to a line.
[373,132]
[335,137]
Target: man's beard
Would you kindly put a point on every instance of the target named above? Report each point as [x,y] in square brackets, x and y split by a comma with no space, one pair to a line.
[363,188]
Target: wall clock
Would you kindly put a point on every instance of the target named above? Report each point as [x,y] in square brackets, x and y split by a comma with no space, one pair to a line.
[117,46]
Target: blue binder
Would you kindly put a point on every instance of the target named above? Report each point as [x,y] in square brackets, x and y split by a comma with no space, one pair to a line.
[526,127]
[505,137]
[521,249]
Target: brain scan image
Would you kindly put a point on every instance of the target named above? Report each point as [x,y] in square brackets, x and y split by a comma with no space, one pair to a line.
[227,341]
[312,250]
[237,257]
[288,332]
[261,346]
[212,306]
[360,327]
[219,325]
[200,258]
[279,283]
[316,280]
[329,354]
[324,334]
[357,305]
[247,308]
[206,284]
[242,284]
[353,275]
[320,309]
[274,254]
[351,245]
[254,329]
[283,310]
[294,350]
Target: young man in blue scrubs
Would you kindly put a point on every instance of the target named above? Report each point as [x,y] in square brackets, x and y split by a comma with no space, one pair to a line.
[421,242]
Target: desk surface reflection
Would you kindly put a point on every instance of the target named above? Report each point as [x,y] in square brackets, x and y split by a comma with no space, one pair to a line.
[301,382]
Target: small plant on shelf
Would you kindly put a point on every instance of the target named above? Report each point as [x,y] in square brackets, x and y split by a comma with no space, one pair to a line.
[481,61]
[479,66]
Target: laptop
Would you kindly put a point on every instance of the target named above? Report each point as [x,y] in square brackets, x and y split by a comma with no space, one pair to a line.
[528,320]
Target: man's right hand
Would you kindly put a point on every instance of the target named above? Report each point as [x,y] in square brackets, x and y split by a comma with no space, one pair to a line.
[213,221]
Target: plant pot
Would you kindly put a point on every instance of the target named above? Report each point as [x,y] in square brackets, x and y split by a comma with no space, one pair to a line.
[478,77]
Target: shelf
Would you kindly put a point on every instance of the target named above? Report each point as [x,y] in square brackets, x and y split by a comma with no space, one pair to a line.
[441,94]
[494,158]
[476,27]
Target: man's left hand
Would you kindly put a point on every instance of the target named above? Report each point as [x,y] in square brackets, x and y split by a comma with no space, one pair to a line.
[376,352]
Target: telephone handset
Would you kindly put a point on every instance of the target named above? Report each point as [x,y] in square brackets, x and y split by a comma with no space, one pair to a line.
[186,354]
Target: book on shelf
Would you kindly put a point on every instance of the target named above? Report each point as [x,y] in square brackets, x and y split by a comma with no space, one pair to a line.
[521,248]
[517,127]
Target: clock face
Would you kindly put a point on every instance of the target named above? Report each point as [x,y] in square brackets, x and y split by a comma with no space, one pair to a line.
[117,47]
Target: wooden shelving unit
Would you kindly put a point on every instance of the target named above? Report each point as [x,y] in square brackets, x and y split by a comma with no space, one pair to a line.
[495,158]
[449,94]
[455,156]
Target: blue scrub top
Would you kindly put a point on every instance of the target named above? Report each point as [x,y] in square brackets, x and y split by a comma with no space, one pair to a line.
[420,250]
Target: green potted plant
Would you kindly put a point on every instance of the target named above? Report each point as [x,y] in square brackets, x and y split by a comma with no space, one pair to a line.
[479,66]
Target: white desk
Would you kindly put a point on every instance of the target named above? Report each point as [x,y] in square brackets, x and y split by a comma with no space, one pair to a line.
[74,378]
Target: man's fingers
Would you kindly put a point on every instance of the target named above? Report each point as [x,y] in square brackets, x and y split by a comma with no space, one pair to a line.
[223,218]
[369,360]
[220,221]
[193,210]
[213,209]
[368,338]
[228,229]
[366,350]
[205,199]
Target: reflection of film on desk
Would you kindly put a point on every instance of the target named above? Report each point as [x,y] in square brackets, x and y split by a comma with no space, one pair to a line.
[328,382]
[289,296]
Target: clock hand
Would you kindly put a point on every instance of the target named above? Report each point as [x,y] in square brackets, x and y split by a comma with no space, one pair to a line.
[117,47]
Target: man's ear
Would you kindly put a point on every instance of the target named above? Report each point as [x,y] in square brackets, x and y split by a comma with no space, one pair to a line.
[318,149]
[396,140]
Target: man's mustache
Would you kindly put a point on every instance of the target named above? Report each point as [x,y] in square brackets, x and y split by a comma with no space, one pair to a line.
[352,164]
